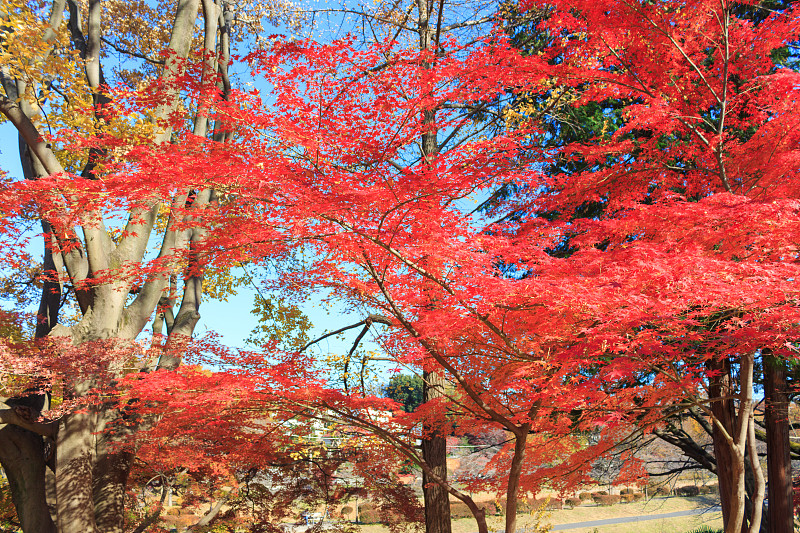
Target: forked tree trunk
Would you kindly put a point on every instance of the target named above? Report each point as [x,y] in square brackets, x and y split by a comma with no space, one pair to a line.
[88,486]
[734,435]
[722,410]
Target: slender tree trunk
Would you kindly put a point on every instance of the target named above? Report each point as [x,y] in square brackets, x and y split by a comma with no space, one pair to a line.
[757,502]
[434,452]
[779,463]
[434,447]
[512,496]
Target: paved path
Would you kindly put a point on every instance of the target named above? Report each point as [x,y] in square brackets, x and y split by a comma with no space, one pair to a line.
[642,518]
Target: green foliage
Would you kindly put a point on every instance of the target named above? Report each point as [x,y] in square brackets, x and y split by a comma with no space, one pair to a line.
[405,390]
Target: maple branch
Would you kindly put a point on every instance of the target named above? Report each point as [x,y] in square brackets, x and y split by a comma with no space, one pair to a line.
[701,420]
[681,440]
[431,349]
[407,451]
[368,321]
[647,90]
[679,48]
[484,319]
[724,26]
[350,354]
[687,466]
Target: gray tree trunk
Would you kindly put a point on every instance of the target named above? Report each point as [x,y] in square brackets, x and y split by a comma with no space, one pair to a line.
[88,487]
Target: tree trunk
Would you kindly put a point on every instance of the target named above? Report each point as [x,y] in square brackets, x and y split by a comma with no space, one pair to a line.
[779,464]
[512,495]
[720,387]
[75,501]
[109,477]
[22,456]
[434,452]
[730,435]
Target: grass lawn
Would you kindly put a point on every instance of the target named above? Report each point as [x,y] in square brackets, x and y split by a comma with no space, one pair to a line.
[594,512]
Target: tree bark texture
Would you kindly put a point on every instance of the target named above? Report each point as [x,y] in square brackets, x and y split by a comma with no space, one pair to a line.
[729,437]
[434,452]
[512,496]
[22,456]
[779,463]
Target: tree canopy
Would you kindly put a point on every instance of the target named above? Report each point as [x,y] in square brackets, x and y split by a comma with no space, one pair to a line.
[563,289]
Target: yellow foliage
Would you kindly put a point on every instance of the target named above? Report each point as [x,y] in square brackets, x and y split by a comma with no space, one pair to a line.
[221,283]
[279,321]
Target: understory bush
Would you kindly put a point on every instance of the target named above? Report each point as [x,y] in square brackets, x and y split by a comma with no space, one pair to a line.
[687,490]
[607,499]
[573,502]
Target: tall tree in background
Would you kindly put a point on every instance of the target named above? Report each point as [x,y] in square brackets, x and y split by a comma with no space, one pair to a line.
[405,390]
[709,135]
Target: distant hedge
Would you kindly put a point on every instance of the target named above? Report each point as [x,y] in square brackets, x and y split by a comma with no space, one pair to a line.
[607,499]
[687,490]
[368,514]
[534,504]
